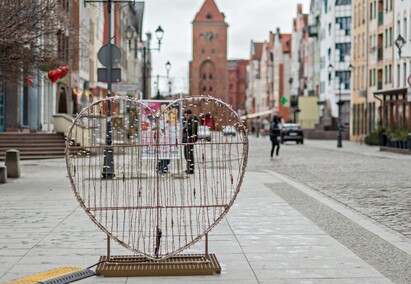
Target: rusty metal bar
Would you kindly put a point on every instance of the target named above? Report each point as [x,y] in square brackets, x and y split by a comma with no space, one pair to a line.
[154,207]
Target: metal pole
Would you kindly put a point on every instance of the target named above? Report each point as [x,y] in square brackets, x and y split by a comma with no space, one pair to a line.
[158,86]
[108,247]
[144,74]
[339,137]
[108,167]
[206,245]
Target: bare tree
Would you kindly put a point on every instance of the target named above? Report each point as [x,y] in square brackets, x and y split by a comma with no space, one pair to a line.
[33,34]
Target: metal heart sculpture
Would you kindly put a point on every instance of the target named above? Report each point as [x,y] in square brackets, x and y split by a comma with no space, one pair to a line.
[147,178]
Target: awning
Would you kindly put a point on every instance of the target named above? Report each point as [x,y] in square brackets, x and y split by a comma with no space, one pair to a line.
[392,91]
[258,114]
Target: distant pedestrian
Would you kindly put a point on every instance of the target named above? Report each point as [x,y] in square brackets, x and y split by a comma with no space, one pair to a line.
[274,136]
[189,138]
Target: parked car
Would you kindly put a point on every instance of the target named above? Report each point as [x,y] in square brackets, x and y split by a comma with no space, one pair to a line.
[292,132]
[204,133]
[229,130]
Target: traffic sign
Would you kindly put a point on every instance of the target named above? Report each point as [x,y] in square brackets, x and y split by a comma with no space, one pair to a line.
[409,80]
[102,75]
[104,52]
[283,100]
[124,87]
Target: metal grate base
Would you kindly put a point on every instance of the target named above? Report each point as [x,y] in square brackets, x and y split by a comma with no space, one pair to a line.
[179,265]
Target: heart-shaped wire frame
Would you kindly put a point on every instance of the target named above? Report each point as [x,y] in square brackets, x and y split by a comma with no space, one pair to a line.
[127,163]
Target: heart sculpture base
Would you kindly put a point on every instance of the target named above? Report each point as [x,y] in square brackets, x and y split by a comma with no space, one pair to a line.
[178,265]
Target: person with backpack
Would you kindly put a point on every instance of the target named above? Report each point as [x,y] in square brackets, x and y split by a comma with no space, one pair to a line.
[274,136]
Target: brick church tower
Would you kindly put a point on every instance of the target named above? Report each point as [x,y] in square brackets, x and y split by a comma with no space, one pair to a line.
[208,68]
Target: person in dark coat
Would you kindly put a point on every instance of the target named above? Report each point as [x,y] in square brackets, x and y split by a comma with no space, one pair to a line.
[189,137]
[274,136]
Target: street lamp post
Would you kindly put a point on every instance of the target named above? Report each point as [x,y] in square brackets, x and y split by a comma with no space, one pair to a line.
[339,103]
[168,68]
[145,49]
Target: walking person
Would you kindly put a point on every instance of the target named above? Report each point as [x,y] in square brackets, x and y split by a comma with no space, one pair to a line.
[274,136]
[189,137]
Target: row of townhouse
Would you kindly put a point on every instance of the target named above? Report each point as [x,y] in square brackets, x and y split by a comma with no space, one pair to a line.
[35,106]
[339,65]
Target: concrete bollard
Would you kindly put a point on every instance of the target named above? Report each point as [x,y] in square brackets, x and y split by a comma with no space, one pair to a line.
[3,174]
[13,163]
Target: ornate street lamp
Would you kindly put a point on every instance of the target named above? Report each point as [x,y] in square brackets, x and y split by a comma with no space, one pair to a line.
[145,48]
[399,43]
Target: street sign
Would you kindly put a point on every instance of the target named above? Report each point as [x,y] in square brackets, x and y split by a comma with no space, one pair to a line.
[283,100]
[102,75]
[103,55]
[124,87]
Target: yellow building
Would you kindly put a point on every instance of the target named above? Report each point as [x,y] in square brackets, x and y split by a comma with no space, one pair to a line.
[372,61]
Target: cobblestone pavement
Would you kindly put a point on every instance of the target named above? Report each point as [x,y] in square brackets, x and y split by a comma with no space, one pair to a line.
[375,185]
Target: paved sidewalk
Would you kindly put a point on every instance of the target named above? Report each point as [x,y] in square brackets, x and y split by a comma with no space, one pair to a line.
[354,147]
[262,240]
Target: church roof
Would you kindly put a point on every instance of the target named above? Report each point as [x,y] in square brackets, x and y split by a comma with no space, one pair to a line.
[209,12]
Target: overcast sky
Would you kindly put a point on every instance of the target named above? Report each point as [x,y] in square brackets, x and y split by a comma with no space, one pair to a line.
[247,20]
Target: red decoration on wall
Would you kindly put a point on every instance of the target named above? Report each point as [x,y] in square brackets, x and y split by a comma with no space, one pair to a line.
[64,71]
[54,75]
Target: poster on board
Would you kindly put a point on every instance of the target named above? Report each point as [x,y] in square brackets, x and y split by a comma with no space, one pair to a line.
[160,132]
